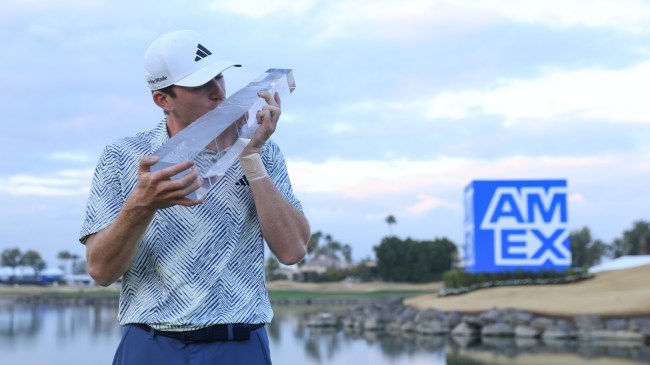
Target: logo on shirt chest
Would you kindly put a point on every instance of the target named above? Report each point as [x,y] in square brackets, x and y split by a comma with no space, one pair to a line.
[242,182]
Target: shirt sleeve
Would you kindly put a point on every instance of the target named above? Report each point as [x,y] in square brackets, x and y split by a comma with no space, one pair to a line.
[106,198]
[276,168]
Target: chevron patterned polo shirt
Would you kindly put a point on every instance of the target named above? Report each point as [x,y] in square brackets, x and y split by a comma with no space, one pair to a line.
[195,266]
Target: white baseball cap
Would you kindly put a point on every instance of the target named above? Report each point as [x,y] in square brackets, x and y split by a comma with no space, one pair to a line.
[183,58]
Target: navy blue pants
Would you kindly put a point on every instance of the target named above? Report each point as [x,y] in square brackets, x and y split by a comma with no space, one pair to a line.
[139,346]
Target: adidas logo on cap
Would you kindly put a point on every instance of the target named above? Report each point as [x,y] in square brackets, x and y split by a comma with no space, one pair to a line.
[201,53]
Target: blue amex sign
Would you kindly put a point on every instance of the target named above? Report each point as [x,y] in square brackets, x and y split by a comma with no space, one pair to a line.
[516,225]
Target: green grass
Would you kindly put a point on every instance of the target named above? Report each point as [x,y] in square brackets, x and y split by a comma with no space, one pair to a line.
[81,294]
[53,293]
[300,294]
[273,294]
[459,360]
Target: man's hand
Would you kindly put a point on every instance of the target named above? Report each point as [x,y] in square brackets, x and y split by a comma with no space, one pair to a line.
[111,251]
[157,190]
[267,119]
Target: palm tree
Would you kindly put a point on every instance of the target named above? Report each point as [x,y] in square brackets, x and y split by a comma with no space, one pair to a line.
[11,258]
[346,250]
[74,257]
[313,247]
[64,256]
[34,260]
[390,220]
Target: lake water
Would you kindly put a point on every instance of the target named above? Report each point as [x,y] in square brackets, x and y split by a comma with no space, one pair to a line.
[88,334]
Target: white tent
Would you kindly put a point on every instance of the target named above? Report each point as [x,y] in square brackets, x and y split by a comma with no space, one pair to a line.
[20,271]
[623,262]
[5,273]
[27,272]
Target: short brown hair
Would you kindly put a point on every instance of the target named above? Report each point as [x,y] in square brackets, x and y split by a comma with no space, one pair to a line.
[169,90]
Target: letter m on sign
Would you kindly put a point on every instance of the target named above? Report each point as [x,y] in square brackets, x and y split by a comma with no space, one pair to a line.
[548,206]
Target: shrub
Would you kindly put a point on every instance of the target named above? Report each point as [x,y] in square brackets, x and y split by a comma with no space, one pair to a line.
[459,281]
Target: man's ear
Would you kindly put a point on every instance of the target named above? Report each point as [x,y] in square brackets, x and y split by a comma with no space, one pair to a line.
[163,100]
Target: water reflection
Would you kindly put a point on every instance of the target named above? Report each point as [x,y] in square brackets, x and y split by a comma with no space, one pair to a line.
[345,346]
[57,334]
[323,346]
[68,333]
[18,321]
[520,347]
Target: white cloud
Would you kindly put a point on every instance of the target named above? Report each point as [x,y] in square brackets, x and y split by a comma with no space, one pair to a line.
[14,7]
[614,95]
[404,20]
[425,179]
[328,213]
[386,19]
[624,15]
[415,19]
[372,105]
[576,198]
[339,128]
[358,178]
[70,156]
[261,9]
[426,203]
[61,183]
[611,95]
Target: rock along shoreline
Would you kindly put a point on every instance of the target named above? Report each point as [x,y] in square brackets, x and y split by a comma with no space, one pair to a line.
[394,317]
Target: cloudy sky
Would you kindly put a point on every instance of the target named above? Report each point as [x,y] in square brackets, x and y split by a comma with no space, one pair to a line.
[399,105]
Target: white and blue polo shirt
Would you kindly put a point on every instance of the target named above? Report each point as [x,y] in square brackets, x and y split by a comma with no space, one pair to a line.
[196,266]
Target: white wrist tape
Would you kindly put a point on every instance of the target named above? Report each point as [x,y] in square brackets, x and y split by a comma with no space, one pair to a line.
[253,167]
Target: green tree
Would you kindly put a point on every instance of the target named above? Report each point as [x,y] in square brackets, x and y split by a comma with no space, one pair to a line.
[346,251]
[393,258]
[414,261]
[635,241]
[597,250]
[585,252]
[11,258]
[390,220]
[33,259]
[271,265]
[616,249]
[325,246]
[64,256]
[313,247]
[362,271]
[314,241]
[445,254]
[74,257]
[331,248]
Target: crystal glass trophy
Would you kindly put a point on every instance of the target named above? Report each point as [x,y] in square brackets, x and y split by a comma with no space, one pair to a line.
[215,140]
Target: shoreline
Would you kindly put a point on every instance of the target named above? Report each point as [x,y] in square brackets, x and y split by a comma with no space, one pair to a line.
[621,293]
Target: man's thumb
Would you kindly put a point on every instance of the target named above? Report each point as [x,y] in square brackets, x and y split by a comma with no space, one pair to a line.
[146,162]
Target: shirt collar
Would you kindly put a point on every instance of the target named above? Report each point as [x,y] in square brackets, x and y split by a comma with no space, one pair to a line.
[159,135]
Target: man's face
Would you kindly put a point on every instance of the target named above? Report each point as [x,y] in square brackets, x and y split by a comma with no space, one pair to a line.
[192,102]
